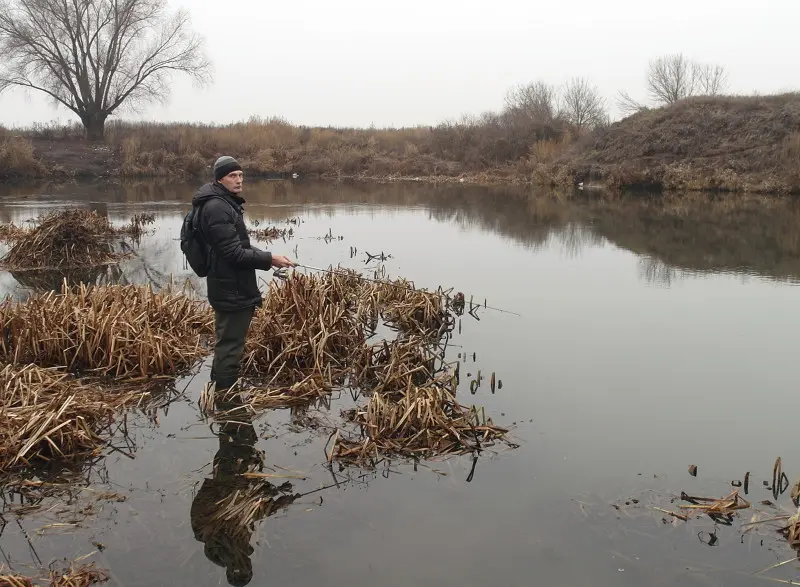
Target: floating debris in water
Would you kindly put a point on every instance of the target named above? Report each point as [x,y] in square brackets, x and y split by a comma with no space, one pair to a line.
[723,506]
[693,470]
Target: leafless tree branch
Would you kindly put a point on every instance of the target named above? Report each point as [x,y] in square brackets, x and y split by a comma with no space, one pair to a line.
[94,56]
[581,104]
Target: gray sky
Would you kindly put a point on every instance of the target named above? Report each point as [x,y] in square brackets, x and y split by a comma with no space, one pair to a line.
[362,62]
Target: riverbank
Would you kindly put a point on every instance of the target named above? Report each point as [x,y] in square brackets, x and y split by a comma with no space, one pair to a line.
[729,144]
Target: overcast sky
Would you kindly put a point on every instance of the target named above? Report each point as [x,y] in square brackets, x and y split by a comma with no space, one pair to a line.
[364,62]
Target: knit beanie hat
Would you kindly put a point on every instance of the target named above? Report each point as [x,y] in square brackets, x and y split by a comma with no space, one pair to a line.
[225,165]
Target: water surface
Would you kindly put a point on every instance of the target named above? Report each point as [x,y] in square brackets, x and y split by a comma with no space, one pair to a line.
[652,336]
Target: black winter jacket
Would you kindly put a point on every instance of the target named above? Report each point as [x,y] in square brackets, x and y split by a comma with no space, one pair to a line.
[231,280]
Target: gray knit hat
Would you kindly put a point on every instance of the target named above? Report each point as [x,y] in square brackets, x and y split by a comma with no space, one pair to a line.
[225,165]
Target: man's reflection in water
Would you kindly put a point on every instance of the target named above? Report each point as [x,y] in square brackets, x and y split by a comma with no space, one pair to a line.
[225,510]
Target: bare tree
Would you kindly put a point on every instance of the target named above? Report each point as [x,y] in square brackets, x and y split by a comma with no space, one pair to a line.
[712,80]
[581,103]
[628,105]
[536,101]
[93,56]
[670,78]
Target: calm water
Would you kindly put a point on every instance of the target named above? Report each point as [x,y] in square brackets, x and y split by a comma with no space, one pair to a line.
[652,337]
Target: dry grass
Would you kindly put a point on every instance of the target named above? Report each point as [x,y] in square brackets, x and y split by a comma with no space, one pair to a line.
[17,158]
[117,331]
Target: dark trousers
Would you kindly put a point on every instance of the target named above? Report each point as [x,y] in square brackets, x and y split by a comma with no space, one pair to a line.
[231,329]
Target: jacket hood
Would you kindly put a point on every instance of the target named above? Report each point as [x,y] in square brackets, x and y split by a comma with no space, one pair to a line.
[212,189]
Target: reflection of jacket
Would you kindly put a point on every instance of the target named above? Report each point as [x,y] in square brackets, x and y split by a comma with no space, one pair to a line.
[231,280]
[227,544]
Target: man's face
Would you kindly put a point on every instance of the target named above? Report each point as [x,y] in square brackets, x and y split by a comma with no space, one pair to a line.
[233,181]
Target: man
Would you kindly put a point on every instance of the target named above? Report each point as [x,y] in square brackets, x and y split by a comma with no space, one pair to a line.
[231,282]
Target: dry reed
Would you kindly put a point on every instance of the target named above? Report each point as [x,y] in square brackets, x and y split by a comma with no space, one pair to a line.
[421,422]
[716,507]
[136,229]
[81,576]
[46,414]
[406,308]
[67,238]
[11,232]
[74,576]
[305,327]
[15,581]
[270,233]
[396,366]
[119,331]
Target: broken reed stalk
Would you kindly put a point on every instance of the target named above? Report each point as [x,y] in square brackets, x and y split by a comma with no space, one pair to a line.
[724,506]
[15,581]
[117,331]
[46,414]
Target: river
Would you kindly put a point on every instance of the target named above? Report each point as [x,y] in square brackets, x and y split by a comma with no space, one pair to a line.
[652,335]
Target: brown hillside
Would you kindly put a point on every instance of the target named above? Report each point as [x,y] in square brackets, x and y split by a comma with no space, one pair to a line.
[726,143]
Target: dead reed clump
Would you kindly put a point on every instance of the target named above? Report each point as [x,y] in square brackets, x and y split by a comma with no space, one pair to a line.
[421,423]
[396,366]
[15,581]
[45,414]
[68,238]
[306,326]
[82,576]
[301,393]
[136,228]
[405,308]
[270,233]
[117,331]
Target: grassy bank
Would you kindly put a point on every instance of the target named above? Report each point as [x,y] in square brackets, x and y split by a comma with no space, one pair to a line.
[737,144]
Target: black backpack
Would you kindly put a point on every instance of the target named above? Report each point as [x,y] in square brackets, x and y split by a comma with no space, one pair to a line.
[194,248]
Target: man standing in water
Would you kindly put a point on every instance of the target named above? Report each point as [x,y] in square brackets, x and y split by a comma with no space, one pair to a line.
[231,281]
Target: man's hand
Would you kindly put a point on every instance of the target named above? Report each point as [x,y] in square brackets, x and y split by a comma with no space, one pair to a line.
[281,261]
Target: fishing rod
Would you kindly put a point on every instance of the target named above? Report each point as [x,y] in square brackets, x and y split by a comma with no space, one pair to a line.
[378,281]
